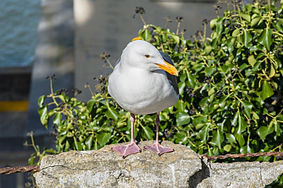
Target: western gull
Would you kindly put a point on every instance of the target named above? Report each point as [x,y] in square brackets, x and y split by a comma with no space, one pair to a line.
[143,82]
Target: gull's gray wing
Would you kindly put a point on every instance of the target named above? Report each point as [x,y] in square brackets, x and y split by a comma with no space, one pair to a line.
[172,79]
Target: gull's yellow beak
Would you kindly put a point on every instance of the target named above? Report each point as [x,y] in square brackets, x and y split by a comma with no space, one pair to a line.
[136,38]
[168,68]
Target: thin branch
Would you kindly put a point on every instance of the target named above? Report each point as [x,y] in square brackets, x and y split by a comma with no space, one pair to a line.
[19,169]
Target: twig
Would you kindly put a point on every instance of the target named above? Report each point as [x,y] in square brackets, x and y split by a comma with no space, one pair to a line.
[19,169]
[277,154]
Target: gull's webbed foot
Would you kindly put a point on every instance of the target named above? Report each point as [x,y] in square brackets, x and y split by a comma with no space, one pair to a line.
[128,149]
[159,149]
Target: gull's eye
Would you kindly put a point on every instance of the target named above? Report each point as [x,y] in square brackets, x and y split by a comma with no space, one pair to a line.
[147,56]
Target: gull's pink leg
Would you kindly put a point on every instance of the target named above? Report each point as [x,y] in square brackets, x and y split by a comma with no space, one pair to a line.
[156,147]
[131,148]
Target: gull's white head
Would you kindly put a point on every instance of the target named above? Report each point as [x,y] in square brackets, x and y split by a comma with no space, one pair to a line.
[142,54]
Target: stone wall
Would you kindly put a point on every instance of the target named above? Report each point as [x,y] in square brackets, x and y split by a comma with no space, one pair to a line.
[182,168]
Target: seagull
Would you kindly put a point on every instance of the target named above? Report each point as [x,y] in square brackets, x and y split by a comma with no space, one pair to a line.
[144,81]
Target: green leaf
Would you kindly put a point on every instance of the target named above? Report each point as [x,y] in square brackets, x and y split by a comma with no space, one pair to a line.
[235,119]
[43,116]
[262,132]
[62,97]
[191,80]
[148,132]
[255,21]
[266,91]
[265,38]
[182,118]
[78,145]
[219,26]
[236,32]
[203,133]
[279,25]
[89,142]
[31,160]
[227,147]
[247,38]
[251,60]
[176,38]
[57,118]
[41,100]
[213,23]
[200,120]
[147,35]
[217,138]
[247,107]
[246,17]
[209,70]
[90,104]
[111,113]
[180,106]
[240,139]
[103,138]
[272,71]
[230,138]
[242,125]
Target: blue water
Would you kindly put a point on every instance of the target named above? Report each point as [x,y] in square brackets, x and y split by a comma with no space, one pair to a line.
[18,31]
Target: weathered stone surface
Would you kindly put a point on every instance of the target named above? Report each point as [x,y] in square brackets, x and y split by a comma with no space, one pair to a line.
[182,168]
[105,168]
[241,174]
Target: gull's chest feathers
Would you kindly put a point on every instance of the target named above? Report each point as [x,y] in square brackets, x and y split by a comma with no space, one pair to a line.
[140,91]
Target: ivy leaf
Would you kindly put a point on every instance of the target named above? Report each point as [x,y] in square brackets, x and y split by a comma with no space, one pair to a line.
[111,113]
[41,100]
[62,98]
[219,26]
[90,104]
[272,71]
[227,147]
[255,21]
[263,131]
[103,138]
[266,91]
[242,125]
[191,80]
[230,138]
[235,119]
[43,116]
[182,118]
[147,35]
[247,38]
[265,38]
[78,144]
[247,107]
[203,133]
[251,60]
[240,139]
[89,141]
[217,139]
[246,17]
[57,118]
[148,132]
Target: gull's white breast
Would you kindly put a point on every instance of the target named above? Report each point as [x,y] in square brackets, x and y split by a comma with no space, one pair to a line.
[140,91]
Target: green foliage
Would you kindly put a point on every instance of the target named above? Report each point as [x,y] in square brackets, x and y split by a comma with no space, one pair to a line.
[230,83]
[230,88]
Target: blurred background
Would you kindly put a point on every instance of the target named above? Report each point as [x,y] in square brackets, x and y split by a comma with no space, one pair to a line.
[66,38]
